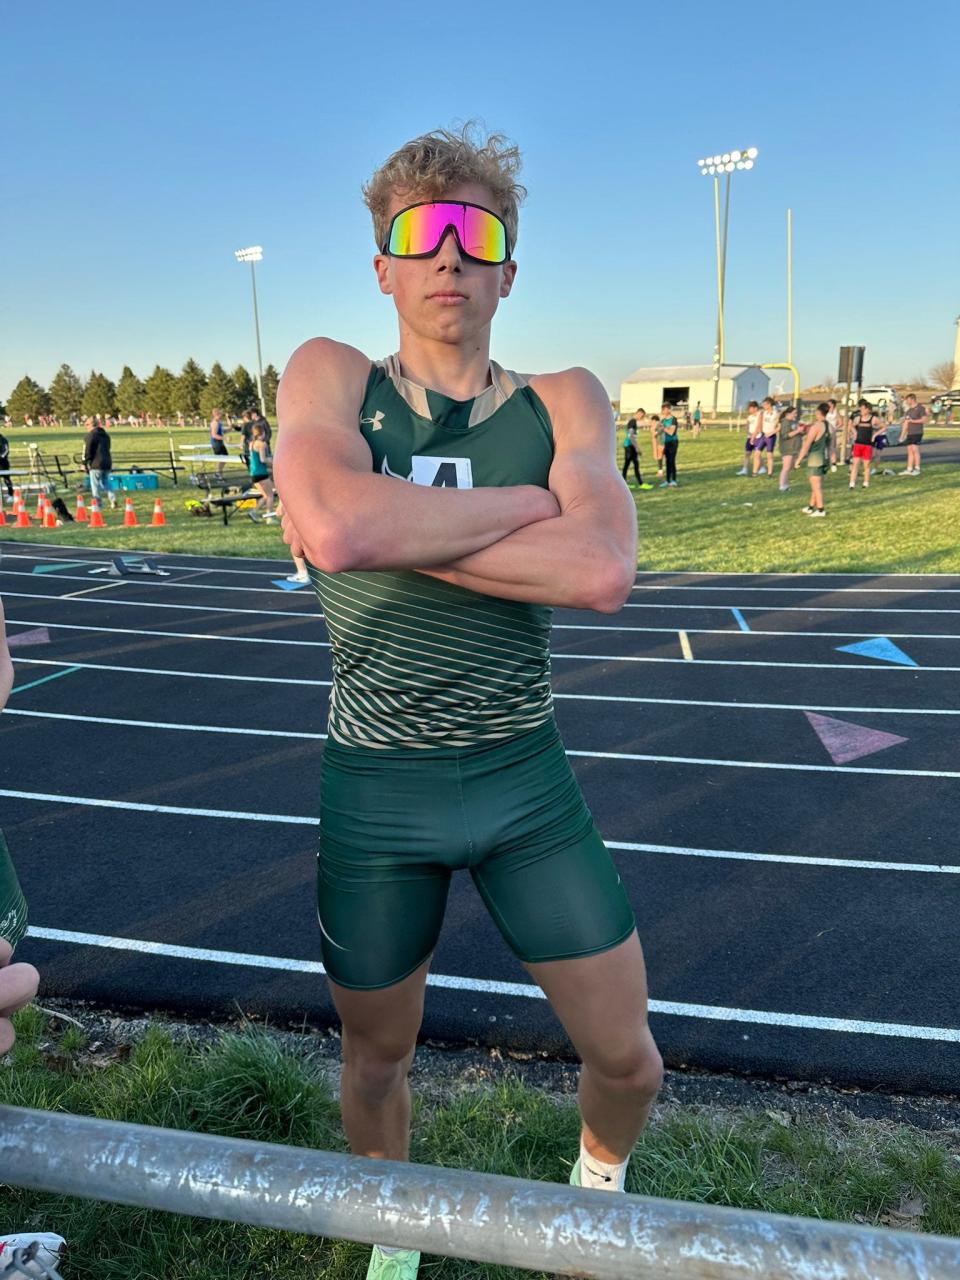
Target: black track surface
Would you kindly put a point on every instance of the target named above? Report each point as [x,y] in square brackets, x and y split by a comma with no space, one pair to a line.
[745,955]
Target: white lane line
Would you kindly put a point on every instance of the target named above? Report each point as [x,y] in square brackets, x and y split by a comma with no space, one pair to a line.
[178,582]
[557,626]
[164,671]
[172,635]
[166,724]
[106,586]
[133,806]
[763,764]
[759,706]
[168,558]
[789,608]
[830,591]
[144,604]
[755,662]
[714,1013]
[685,646]
[796,859]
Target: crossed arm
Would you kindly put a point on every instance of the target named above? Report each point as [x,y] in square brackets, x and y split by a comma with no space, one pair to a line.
[587,556]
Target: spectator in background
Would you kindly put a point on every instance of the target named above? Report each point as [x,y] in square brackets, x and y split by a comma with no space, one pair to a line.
[260,420]
[630,455]
[98,461]
[911,431]
[260,473]
[670,429]
[217,443]
[5,466]
[866,426]
[767,440]
[697,419]
[813,451]
[753,435]
[791,442]
[246,433]
[833,428]
[656,439]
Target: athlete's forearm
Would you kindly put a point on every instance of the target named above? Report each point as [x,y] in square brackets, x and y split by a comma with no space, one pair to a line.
[567,563]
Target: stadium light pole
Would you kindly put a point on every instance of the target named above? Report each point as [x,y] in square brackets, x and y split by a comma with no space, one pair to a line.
[713,166]
[254,255]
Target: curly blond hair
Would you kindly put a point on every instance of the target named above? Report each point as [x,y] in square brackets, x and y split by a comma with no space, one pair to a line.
[427,167]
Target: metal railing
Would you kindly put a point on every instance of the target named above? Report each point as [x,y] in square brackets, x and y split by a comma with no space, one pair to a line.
[486,1218]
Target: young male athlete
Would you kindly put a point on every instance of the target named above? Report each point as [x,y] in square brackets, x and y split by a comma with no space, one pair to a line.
[444,505]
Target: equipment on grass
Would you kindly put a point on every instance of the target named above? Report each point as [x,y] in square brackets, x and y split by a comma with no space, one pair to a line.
[158,516]
[3,518]
[96,519]
[39,511]
[132,567]
[49,515]
[129,515]
[81,513]
[23,520]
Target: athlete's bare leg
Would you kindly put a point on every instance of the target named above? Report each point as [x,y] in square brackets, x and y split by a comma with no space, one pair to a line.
[602,1002]
[377,1048]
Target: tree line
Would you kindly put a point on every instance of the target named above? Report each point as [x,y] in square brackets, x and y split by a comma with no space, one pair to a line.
[163,394]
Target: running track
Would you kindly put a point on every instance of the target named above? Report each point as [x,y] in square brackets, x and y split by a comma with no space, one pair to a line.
[158,785]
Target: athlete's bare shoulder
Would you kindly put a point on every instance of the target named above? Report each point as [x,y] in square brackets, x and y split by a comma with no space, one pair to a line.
[324,382]
[575,398]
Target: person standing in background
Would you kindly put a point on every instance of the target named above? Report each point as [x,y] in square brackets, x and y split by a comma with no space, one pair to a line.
[767,440]
[697,419]
[814,452]
[911,430]
[5,466]
[217,443]
[833,428]
[630,453]
[98,461]
[790,433]
[866,426]
[753,435]
[670,429]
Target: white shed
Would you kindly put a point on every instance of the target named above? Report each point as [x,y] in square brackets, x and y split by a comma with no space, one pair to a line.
[687,383]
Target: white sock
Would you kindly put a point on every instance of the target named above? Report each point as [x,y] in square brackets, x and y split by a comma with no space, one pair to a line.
[599,1176]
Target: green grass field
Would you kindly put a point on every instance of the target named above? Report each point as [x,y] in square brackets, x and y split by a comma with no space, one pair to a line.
[249,1086]
[715,521]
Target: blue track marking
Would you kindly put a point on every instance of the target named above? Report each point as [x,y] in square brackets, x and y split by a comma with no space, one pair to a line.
[21,688]
[881,648]
[284,585]
[740,619]
[65,564]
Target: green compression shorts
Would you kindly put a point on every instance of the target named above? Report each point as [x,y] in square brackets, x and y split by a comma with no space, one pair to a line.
[394,825]
[13,907]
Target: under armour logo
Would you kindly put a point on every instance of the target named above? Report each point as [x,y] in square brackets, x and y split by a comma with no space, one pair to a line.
[376,422]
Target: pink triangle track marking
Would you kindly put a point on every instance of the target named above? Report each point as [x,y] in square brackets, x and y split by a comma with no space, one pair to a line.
[845,741]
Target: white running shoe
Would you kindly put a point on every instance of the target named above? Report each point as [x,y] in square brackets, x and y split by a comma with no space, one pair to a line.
[818,511]
[48,1250]
[299,577]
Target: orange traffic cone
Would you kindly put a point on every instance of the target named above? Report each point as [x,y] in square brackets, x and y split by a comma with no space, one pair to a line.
[96,519]
[80,514]
[158,516]
[49,515]
[129,515]
[17,497]
[3,518]
[40,498]
[22,520]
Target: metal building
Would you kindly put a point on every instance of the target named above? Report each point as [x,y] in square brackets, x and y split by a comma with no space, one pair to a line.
[686,384]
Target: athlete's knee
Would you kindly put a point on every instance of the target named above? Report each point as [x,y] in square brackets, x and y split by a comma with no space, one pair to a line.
[376,1068]
[635,1068]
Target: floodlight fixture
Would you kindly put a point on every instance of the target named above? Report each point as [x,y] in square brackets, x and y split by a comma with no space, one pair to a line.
[752,153]
[253,254]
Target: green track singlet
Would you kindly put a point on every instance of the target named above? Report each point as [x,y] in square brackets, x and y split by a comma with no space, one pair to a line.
[420,663]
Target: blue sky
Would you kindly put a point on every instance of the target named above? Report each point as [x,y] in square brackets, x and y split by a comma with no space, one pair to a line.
[141,146]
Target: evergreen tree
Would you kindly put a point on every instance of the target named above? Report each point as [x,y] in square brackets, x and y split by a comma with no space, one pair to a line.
[66,393]
[271,380]
[99,396]
[246,389]
[130,394]
[159,393]
[27,400]
[219,393]
[190,387]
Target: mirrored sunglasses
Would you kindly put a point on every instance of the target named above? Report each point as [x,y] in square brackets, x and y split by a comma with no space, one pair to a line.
[418,232]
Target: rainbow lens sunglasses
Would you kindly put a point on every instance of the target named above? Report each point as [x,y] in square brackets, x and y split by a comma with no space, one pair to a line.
[418,232]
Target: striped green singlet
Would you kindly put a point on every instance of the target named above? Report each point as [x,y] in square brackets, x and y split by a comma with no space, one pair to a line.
[419,663]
